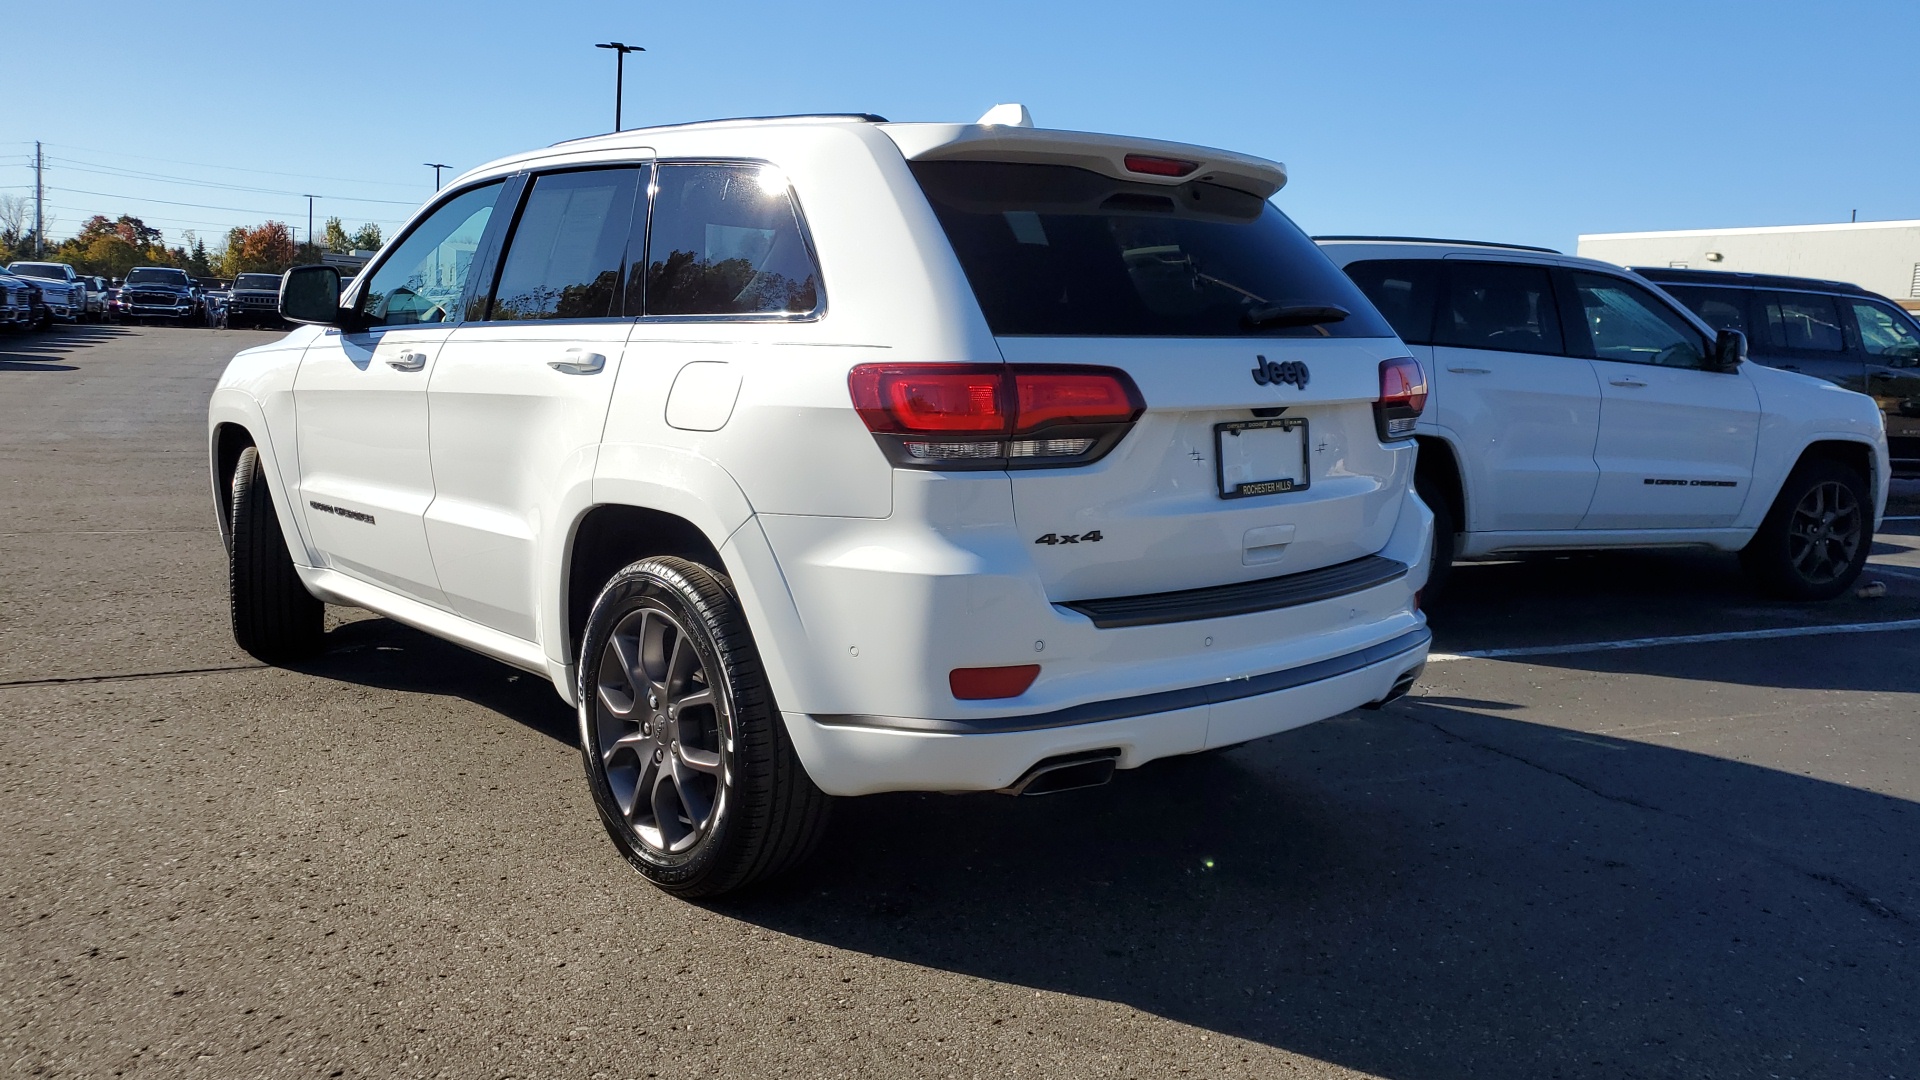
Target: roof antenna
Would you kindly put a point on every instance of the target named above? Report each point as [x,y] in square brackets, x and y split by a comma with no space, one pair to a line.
[1009,115]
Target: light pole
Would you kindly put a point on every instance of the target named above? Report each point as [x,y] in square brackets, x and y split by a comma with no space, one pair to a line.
[436,167]
[310,199]
[619,73]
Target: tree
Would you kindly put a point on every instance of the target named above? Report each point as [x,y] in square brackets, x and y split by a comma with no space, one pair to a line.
[114,247]
[266,248]
[339,241]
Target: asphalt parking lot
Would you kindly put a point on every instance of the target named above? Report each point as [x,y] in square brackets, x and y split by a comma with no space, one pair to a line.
[1696,859]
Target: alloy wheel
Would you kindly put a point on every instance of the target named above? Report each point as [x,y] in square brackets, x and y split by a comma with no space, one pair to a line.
[1825,533]
[660,727]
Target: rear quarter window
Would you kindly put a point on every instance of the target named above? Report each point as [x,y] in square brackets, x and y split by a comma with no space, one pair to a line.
[1053,250]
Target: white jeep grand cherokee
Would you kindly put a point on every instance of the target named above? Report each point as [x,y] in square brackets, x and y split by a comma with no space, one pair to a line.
[823,456]
[1575,405]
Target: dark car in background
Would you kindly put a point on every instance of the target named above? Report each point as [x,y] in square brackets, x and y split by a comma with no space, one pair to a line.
[254,300]
[1829,329]
[159,293]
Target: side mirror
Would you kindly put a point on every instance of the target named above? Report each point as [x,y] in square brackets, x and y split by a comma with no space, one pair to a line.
[1729,350]
[311,294]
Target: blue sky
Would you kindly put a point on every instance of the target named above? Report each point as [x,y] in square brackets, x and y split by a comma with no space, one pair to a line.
[1523,122]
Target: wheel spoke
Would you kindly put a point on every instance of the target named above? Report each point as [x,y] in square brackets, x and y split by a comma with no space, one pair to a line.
[693,789]
[639,744]
[702,696]
[666,810]
[706,761]
[674,676]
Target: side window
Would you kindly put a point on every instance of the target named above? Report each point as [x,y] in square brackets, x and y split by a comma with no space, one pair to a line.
[1805,322]
[563,259]
[725,240]
[1722,309]
[421,281]
[1504,306]
[1631,325]
[1404,291]
[1887,335]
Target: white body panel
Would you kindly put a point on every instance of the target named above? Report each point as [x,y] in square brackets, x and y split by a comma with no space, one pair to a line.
[864,584]
[1513,423]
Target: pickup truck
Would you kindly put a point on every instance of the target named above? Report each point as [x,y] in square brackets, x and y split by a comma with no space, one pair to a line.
[63,289]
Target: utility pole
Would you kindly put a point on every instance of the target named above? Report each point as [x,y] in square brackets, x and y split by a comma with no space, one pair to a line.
[619,74]
[436,167]
[39,204]
[310,199]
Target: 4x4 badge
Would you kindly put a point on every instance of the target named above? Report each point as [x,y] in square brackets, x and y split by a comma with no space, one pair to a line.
[1287,371]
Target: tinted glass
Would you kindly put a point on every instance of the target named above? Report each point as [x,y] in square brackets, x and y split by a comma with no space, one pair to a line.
[257,282]
[148,275]
[43,270]
[1808,322]
[421,281]
[563,260]
[1404,293]
[1631,325]
[1499,306]
[725,240]
[1886,334]
[1722,309]
[1055,250]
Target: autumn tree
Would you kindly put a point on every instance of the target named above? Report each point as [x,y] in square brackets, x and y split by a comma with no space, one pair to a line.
[266,248]
[114,247]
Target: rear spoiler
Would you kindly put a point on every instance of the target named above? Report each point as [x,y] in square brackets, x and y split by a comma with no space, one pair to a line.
[1103,154]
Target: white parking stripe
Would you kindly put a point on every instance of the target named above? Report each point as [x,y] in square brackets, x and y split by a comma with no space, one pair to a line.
[1680,639]
[1901,517]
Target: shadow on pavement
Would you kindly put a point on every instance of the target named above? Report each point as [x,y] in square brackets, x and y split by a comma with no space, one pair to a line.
[7,364]
[57,343]
[1422,893]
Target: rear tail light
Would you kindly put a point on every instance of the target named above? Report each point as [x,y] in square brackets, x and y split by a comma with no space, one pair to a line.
[1403,394]
[994,416]
[987,683]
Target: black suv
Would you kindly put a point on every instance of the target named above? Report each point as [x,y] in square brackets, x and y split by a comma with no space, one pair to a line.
[1829,329]
[254,300]
[159,292]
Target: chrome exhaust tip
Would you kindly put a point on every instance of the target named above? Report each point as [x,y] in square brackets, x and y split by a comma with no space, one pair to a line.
[1401,687]
[1067,772]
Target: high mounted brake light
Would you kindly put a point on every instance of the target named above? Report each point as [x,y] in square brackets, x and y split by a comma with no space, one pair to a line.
[994,416]
[1403,394]
[1159,166]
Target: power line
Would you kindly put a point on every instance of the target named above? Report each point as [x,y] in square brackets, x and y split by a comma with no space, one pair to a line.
[229,168]
[108,170]
[169,202]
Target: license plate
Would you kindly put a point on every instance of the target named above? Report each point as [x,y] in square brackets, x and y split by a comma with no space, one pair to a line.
[1261,457]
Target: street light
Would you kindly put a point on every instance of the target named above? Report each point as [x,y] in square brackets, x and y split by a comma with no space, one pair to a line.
[436,167]
[619,73]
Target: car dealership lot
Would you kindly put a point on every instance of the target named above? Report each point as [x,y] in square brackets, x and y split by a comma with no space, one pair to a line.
[1682,860]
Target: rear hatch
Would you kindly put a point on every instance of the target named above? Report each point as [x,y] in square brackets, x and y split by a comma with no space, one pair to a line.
[1259,364]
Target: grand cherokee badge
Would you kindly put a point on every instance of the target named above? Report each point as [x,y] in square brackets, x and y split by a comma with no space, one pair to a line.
[1289,371]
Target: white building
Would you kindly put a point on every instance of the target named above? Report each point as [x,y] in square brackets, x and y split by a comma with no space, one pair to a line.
[1880,255]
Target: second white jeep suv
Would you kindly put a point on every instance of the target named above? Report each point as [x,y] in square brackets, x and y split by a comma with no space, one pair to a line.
[824,456]
[1575,405]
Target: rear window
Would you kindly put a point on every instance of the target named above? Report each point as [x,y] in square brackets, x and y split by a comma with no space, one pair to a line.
[1053,250]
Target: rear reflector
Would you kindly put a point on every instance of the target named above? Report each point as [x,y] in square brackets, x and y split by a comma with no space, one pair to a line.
[1403,394]
[987,683]
[1159,166]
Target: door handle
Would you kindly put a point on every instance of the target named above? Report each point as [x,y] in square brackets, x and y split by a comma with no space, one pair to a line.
[408,361]
[1626,382]
[578,362]
[1469,371]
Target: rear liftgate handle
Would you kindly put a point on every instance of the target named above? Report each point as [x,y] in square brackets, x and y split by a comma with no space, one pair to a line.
[579,362]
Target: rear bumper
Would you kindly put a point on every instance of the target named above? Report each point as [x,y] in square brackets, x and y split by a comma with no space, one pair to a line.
[865,754]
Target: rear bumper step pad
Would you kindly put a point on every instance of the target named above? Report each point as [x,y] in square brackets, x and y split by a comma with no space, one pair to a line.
[1245,598]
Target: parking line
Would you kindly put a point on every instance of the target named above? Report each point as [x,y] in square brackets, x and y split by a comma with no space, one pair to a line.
[1679,639]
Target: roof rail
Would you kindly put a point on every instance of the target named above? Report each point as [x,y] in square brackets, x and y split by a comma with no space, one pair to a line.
[863,116]
[1438,240]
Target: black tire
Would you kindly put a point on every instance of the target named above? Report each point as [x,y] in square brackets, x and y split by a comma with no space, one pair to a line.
[275,618]
[1815,540]
[729,754]
[1440,568]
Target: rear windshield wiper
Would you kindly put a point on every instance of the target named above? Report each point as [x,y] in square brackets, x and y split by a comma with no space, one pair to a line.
[1274,315]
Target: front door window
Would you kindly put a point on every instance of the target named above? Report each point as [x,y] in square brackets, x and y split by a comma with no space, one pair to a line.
[422,280]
